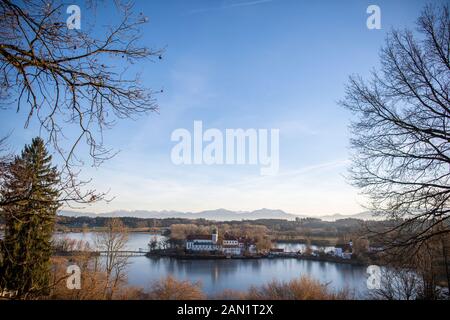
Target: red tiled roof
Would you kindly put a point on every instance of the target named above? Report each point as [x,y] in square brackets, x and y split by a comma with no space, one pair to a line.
[343,246]
[247,241]
[198,237]
[227,236]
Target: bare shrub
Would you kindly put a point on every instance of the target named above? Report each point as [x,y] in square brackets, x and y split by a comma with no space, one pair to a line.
[304,288]
[170,288]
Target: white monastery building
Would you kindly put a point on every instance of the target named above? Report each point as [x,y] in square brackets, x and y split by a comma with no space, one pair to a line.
[231,246]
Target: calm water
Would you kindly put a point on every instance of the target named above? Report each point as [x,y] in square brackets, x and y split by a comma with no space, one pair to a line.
[217,275]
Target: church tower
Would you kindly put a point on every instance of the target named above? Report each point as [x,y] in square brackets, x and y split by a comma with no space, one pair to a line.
[215,235]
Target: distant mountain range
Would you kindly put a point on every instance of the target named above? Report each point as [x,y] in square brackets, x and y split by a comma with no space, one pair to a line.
[366,215]
[218,215]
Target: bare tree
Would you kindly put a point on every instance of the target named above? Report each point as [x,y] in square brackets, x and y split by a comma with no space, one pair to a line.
[110,242]
[65,79]
[61,76]
[401,136]
[70,81]
[398,284]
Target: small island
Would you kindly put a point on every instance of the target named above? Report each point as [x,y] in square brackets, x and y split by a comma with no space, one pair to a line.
[230,246]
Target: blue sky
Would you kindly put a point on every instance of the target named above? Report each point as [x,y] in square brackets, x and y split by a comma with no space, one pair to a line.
[244,64]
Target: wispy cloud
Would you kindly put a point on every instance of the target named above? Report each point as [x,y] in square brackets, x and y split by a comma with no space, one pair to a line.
[292,173]
[246,3]
[228,5]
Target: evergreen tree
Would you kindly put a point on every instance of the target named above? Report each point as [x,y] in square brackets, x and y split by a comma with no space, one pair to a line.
[26,247]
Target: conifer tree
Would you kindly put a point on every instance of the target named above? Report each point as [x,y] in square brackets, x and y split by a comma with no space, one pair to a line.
[29,223]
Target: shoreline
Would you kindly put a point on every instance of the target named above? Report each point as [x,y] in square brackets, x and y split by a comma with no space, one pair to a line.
[253,257]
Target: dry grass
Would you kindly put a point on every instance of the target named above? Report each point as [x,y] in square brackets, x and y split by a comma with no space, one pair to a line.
[170,288]
[303,288]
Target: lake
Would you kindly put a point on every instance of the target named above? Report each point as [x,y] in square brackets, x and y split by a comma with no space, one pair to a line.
[235,274]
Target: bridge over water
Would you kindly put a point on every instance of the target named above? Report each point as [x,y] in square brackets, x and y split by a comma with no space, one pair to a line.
[123,253]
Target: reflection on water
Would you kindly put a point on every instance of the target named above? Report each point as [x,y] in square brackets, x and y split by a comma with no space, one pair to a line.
[217,275]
